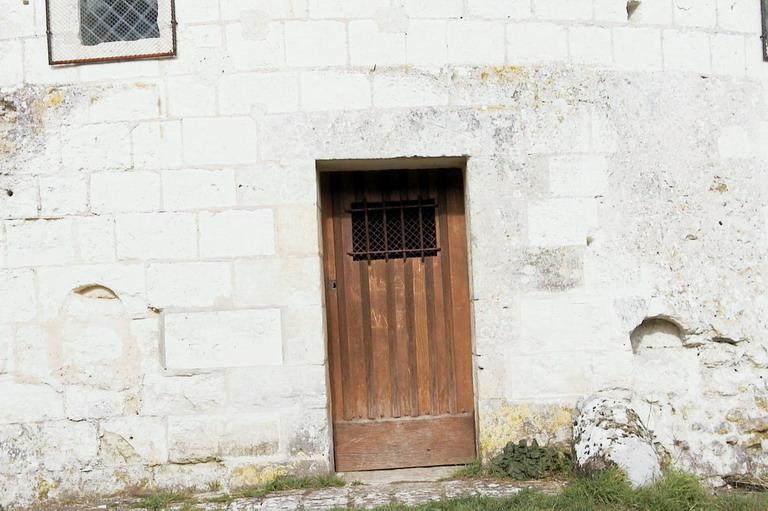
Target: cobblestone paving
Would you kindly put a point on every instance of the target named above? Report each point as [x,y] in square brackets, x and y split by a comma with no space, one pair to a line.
[348,497]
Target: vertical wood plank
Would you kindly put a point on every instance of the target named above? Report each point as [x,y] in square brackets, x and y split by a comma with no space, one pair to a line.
[332,305]
[459,295]
[379,316]
[358,375]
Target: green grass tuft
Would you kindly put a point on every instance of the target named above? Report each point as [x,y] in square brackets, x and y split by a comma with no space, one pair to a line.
[160,501]
[287,482]
[609,487]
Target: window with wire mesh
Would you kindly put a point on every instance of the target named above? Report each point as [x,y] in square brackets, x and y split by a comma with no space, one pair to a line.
[81,31]
[393,229]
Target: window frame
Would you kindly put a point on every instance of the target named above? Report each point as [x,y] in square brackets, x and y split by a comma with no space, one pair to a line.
[116,58]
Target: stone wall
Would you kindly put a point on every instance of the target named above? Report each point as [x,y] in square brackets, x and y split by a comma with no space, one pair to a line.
[161,306]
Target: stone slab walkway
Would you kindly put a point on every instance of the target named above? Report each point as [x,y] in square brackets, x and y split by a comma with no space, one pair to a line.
[365,496]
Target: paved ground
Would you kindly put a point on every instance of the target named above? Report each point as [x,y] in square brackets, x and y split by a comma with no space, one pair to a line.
[371,490]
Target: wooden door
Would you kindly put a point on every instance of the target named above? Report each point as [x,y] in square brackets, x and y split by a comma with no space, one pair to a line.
[397,296]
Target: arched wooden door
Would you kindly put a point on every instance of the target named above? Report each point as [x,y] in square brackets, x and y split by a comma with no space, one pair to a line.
[397,298]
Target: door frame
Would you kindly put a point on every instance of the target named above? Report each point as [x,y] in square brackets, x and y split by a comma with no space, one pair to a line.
[414,164]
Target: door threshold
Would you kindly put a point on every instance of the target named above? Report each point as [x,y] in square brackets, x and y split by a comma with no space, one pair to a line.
[400,475]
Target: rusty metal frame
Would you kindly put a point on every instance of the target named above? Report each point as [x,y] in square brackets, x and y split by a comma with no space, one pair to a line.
[120,58]
[363,209]
[764,38]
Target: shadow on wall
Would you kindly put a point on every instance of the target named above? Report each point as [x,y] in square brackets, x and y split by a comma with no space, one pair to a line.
[654,333]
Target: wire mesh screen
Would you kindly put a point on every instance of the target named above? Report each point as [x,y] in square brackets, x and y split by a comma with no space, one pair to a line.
[104,30]
[393,229]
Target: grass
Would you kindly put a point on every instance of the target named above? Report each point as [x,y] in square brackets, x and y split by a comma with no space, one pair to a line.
[159,501]
[288,482]
[609,491]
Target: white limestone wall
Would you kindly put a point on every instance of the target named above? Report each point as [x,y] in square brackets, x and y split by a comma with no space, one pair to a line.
[161,306]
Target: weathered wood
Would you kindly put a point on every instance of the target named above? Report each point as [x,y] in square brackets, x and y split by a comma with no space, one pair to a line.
[401,443]
[398,329]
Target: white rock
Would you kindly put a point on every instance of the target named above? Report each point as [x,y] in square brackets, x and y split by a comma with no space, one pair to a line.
[609,432]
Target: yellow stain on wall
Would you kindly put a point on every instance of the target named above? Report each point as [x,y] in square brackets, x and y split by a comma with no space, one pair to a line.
[511,423]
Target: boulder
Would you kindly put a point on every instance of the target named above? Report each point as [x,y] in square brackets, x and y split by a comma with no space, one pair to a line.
[608,432]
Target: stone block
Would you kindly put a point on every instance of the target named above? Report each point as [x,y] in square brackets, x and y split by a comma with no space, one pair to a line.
[131,102]
[182,477]
[434,8]
[351,90]
[219,140]
[34,351]
[157,145]
[370,46]
[590,45]
[125,70]
[96,147]
[738,16]
[248,435]
[686,51]
[294,281]
[17,20]
[493,9]
[728,54]
[187,445]
[695,13]
[237,233]
[304,335]
[83,402]
[270,92]
[198,189]
[197,11]
[133,191]
[27,402]
[610,11]
[254,43]
[146,333]
[637,49]
[19,197]
[156,235]
[427,42]
[241,338]
[191,96]
[190,394]
[560,222]
[12,63]
[188,284]
[298,230]
[315,43]
[145,437]
[273,183]
[565,375]
[275,9]
[532,42]
[566,322]
[399,88]
[39,242]
[342,9]
[65,445]
[36,68]
[7,342]
[95,239]
[475,42]
[743,142]
[578,176]
[556,10]
[63,194]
